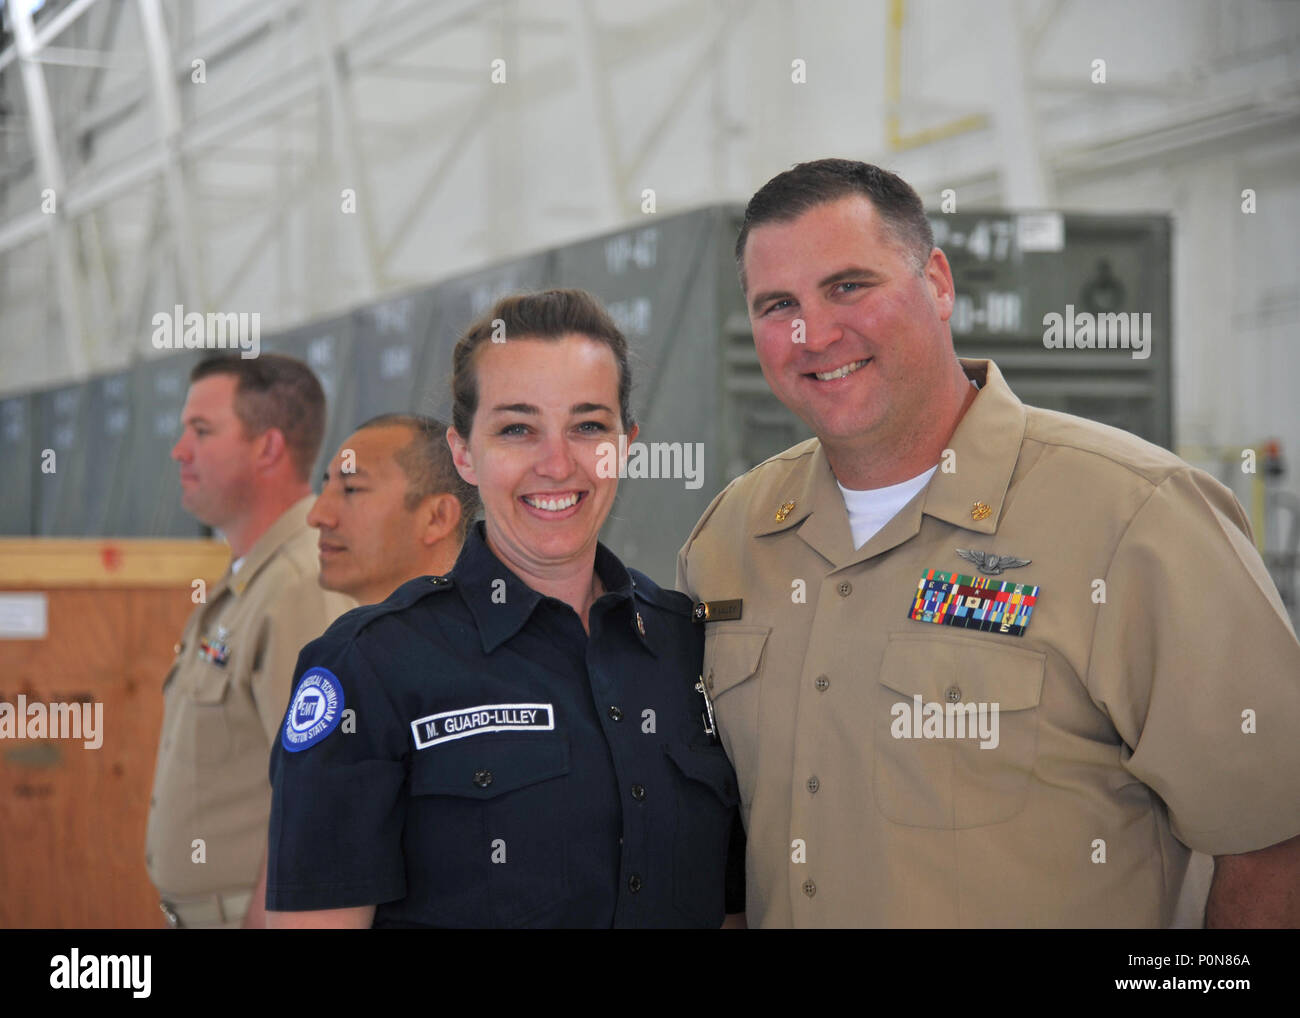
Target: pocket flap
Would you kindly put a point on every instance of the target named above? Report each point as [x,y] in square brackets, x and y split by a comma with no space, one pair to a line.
[732,655]
[486,766]
[709,766]
[979,671]
[210,684]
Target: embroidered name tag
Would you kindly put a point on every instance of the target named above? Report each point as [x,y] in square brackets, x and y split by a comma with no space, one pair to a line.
[495,717]
[974,602]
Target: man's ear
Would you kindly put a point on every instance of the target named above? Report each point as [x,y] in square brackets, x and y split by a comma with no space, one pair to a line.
[440,517]
[461,456]
[270,447]
[938,275]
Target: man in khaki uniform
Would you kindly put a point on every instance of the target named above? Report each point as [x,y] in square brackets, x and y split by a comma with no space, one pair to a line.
[252,429]
[976,663]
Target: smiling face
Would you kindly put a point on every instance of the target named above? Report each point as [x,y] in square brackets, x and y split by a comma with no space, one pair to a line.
[369,538]
[545,407]
[875,343]
[218,463]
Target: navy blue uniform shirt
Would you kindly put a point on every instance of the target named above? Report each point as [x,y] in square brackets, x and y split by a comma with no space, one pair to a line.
[464,754]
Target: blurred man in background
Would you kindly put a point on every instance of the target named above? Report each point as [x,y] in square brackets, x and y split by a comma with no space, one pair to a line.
[251,431]
[392,508]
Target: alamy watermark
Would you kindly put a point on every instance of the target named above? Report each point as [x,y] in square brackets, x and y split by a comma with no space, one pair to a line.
[678,460]
[179,329]
[84,721]
[932,720]
[1084,330]
[75,971]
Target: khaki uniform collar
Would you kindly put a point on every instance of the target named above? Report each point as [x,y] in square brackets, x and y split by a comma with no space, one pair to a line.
[985,447]
[290,522]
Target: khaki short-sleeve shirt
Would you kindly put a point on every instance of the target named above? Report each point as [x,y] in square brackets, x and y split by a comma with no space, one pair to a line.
[223,703]
[1144,698]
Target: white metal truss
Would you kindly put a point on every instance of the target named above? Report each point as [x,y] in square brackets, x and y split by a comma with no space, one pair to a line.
[310,97]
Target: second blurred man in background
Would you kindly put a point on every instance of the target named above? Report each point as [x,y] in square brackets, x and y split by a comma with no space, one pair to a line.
[392,508]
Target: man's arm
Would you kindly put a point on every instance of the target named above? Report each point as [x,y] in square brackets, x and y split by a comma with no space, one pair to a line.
[1256,889]
[358,918]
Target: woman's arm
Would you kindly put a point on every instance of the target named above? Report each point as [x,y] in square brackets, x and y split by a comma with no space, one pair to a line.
[358,918]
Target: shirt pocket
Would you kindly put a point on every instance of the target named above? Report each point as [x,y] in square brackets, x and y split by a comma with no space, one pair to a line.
[208,694]
[706,805]
[733,661]
[937,766]
[488,846]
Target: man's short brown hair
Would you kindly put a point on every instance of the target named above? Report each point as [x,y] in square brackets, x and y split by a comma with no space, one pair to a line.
[274,391]
[788,195]
[426,461]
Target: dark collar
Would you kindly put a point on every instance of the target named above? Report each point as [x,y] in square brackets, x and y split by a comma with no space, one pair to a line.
[502,603]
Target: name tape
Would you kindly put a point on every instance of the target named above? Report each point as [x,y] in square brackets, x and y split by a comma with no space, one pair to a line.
[493,717]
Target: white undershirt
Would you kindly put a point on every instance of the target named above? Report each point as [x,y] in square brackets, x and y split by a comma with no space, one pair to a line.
[870,510]
[235,565]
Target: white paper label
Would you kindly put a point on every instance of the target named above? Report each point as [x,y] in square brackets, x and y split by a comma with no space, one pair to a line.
[23,616]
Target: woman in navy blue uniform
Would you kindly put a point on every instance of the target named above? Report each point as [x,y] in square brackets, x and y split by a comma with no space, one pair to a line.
[525,741]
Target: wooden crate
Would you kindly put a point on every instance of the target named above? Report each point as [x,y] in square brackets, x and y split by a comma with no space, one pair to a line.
[72,819]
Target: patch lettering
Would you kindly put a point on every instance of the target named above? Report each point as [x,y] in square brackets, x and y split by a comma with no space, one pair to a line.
[314,711]
[493,717]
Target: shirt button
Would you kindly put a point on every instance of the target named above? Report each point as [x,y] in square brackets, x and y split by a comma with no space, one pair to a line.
[814,784]
[952,694]
[634,883]
[638,792]
[822,683]
[482,778]
[809,888]
[615,714]
[845,588]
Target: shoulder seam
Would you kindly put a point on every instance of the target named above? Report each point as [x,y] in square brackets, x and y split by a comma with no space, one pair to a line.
[1174,468]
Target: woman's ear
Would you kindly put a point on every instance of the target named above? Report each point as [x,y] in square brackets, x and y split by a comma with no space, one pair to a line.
[460,455]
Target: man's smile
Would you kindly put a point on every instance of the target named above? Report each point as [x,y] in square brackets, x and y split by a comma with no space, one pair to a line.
[840,372]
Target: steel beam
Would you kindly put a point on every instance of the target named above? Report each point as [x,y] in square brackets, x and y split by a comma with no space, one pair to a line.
[50,167]
[185,238]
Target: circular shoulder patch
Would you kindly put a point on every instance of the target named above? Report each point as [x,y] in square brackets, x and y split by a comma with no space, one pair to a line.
[314,711]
